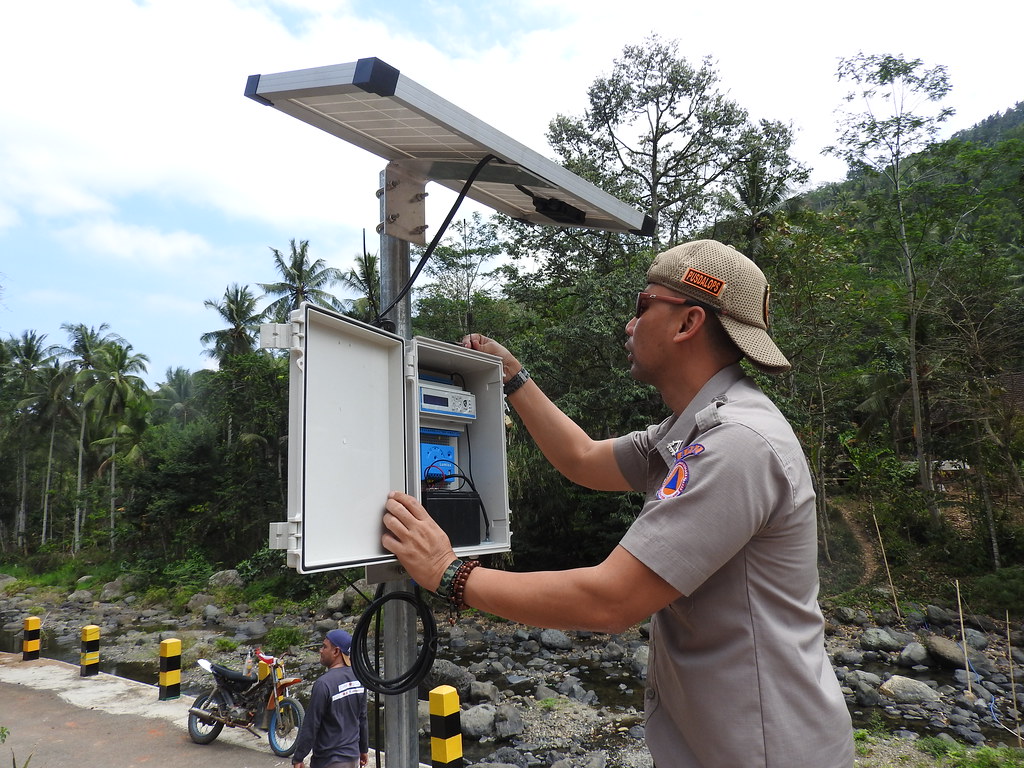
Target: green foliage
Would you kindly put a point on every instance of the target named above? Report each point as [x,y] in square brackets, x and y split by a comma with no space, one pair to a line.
[958,756]
[280,639]
[1000,591]
[189,574]
[225,644]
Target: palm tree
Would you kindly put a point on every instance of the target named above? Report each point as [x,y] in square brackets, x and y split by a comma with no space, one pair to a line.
[54,404]
[27,357]
[364,279]
[238,310]
[301,281]
[116,389]
[175,398]
[85,345]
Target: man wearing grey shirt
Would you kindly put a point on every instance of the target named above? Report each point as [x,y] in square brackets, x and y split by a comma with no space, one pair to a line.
[723,553]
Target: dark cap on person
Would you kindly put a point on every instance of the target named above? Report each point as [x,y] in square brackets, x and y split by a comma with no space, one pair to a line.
[721,277]
[341,639]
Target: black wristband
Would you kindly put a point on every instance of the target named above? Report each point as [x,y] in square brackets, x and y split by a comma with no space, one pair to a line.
[516,381]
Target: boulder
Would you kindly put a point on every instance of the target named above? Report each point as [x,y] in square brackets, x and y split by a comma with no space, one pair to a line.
[112,590]
[556,640]
[508,722]
[478,721]
[914,655]
[445,672]
[877,639]
[939,617]
[950,653]
[222,579]
[904,690]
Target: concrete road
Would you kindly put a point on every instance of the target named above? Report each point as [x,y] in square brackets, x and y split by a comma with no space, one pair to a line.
[63,719]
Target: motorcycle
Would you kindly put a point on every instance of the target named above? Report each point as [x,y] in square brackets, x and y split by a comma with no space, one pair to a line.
[252,699]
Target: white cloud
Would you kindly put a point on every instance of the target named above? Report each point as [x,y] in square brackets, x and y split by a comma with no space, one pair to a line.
[145,246]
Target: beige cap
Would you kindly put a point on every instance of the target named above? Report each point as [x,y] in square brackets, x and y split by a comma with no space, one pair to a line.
[721,277]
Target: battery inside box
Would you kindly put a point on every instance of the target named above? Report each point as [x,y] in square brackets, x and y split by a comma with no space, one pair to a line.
[457,512]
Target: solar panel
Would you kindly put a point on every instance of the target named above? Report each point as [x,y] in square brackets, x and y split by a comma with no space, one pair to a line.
[372,105]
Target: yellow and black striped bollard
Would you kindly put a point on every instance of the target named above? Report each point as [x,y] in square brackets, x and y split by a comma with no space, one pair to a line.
[90,658]
[170,669]
[445,728]
[30,638]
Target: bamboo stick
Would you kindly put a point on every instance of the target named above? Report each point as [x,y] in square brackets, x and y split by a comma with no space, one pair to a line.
[1013,685]
[888,574]
[963,640]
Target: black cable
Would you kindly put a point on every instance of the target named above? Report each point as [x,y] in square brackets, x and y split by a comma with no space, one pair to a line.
[437,238]
[363,665]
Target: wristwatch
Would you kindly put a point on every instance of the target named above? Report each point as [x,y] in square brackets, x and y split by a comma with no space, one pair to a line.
[516,381]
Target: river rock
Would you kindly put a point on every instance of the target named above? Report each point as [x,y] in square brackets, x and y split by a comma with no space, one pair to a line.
[852,616]
[904,690]
[975,639]
[222,579]
[639,662]
[80,596]
[480,691]
[878,639]
[254,630]
[112,590]
[445,672]
[507,722]
[914,655]
[939,617]
[544,692]
[555,640]
[198,601]
[949,653]
[478,721]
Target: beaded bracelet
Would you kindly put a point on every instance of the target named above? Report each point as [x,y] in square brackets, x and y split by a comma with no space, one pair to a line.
[458,600]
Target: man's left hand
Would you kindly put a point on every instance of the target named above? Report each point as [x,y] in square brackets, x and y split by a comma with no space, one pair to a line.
[416,540]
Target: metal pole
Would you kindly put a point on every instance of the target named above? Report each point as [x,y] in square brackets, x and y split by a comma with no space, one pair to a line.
[401,744]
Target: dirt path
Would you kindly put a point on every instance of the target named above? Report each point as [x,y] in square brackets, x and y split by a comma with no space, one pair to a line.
[850,510]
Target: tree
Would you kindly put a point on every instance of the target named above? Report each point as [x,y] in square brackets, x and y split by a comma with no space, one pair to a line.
[84,349]
[28,357]
[899,115]
[300,281]
[238,310]
[457,267]
[757,186]
[175,398]
[659,133]
[364,279]
[115,390]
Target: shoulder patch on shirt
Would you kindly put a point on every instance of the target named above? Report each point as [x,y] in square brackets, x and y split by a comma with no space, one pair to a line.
[678,477]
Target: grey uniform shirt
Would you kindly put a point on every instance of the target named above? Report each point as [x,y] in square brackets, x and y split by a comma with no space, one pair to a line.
[738,675]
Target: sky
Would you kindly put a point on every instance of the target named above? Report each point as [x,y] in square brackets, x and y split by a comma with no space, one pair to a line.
[137,181]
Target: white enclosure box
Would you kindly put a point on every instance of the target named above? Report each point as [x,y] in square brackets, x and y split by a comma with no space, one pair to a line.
[355,429]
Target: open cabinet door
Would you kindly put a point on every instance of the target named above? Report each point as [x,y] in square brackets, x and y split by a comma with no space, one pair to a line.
[347,439]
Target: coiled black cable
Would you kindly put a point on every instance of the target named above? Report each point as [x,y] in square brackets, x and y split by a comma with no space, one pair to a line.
[362,664]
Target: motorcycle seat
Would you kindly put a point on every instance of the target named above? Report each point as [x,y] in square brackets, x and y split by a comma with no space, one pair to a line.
[233,675]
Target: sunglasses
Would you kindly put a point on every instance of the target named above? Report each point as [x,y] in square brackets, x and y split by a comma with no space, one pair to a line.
[643,301]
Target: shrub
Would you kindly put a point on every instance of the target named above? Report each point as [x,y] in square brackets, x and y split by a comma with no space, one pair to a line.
[280,639]
[225,645]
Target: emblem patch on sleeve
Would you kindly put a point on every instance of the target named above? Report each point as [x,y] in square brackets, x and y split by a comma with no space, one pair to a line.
[677,478]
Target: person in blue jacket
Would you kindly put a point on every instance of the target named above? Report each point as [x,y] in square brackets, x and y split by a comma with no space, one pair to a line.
[335,727]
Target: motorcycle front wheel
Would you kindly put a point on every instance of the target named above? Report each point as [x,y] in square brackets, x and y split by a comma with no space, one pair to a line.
[201,730]
[284,726]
